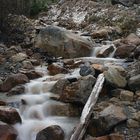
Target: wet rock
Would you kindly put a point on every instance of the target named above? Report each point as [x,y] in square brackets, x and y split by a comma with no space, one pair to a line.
[56,68]
[7,132]
[16,90]
[134,82]
[53,132]
[79,91]
[126,95]
[137,53]
[105,51]
[9,115]
[132,123]
[60,42]
[106,120]
[13,80]
[115,75]
[132,39]
[124,2]
[27,65]
[19,57]
[121,50]
[86,69]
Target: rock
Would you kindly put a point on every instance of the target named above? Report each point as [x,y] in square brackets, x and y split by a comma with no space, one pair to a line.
[121,50]
[17,90]
[62,110]
[137,116]
[108,137]
[132,39]
[27,65]
[126,95]
[7,132]
[105,51]
[53,132]
[56,68]
[115,76]
[134,82]
[137,53]
[73,90]
[86,69]
[78,91]
[61,42]
[106,120]
[124,2]
[31,74]
[19,57]
[14,80]
[9,115]
[132,123]
[2,103]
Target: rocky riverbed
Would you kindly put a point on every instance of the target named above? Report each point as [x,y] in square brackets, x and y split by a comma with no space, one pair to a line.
[49,66]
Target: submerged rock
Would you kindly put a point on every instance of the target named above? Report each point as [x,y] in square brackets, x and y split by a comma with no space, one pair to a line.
[60,42]
[53,132]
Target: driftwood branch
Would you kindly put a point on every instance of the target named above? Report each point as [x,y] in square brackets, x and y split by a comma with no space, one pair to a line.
[88,108]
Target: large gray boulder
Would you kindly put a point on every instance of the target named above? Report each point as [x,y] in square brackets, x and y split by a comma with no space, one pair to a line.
[61,42]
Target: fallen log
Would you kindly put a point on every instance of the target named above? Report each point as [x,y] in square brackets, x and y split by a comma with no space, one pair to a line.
[88,109]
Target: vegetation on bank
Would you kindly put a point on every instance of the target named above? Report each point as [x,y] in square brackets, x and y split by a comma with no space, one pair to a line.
[40,5]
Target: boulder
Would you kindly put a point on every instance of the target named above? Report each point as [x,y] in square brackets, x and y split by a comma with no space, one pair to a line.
[60,42]
[19,57]
[73,90]
[56,68]
[134,82]
[7,132]
[9,115]
[105,51]
[27,65]
[86,69]
[13,80]
[17,90]
[106,120]
[53,132]
[124,50]
[126,95]
[115,75]
[78,91]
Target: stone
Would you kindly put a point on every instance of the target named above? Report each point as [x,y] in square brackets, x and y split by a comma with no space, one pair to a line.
[106,120]
[27,65]
[137,116]
[116,136]
[132,123]
[78,91]
[56,68]
[86,69]
[105,51]
[17,90]
[137,52]
[13,80]
[62,43]
[126,95]
[121,50]
[19,57]
[31,74]
[132,39]
[115,75]
[53,132]
[62,109]
[9,115]
[7,132]
[2,103]
[124,2]
[134,82]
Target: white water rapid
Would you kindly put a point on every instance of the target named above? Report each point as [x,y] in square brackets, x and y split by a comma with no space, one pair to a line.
[36,111]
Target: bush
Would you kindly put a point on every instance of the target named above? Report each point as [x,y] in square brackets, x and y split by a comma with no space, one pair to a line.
[40,5]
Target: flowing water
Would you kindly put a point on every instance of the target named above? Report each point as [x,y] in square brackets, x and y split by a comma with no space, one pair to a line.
[35,106]
[35,109]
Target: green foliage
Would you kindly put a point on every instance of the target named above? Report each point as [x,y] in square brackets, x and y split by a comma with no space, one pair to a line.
[40,5]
